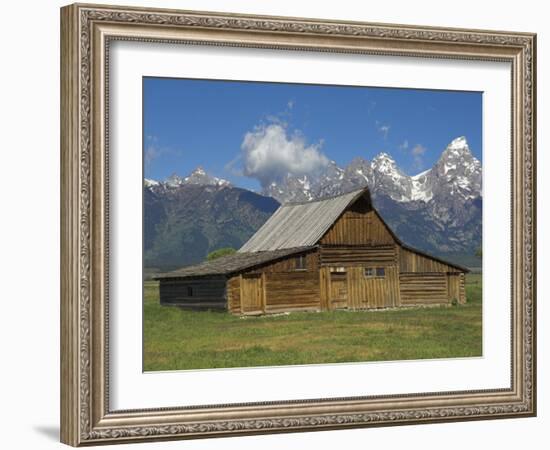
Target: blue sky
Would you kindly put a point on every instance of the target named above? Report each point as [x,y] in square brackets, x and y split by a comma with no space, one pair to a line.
[251,133]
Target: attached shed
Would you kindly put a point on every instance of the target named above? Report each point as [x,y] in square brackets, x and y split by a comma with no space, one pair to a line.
[335,253]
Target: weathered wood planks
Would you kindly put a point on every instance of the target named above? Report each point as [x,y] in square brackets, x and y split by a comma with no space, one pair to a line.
[423,288]
[373,292]
[357,228]
[292,291]
[358,255]
[410,261]
[199,293]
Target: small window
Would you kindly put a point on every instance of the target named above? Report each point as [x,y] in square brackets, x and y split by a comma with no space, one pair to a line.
[300,262]
[369,272]
[380,272]
[189,291]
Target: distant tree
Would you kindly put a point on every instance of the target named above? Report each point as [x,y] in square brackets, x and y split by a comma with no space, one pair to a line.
[479,252]
[220,252]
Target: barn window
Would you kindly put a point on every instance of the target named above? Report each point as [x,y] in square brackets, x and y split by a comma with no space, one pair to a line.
[369,272]
[300,262]
[380,272]
[189,291]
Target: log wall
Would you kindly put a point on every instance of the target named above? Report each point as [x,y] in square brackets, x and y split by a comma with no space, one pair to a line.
[206,293]
[359,255]
[423,288]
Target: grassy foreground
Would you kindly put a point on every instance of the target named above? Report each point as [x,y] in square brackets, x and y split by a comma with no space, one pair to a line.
[174,339]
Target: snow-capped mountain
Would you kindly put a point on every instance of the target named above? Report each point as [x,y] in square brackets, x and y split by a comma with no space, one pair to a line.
[457,173]
[389,179]
[197,177]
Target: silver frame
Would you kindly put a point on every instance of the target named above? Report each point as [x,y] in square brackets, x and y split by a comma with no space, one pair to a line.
[86,33]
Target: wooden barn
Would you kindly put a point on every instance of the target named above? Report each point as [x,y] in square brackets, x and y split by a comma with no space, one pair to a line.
[335,253]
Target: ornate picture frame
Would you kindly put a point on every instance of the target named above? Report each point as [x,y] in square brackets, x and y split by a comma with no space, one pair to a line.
[87,32]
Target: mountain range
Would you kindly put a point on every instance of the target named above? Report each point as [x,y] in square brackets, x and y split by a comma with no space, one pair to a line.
[438,210]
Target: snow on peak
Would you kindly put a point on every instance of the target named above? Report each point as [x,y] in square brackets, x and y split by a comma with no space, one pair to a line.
[383,156]
[198,171]
[196,177]
[174,180]
[458,157]
[421,187]
[418,176]
[149,182]
[304,182]
[360,172]
[386,165]
[459,143]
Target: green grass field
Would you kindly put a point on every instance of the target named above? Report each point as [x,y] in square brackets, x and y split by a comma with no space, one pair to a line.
[176,339]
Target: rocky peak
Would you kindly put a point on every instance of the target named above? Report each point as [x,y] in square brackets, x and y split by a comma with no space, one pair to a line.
[174,180]
[197,177]
[148,182]
[458,144]
[384,163]
[389,179]
[458,171]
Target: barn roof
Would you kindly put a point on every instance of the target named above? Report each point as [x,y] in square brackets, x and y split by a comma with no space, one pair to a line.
[229,264]
[300,224]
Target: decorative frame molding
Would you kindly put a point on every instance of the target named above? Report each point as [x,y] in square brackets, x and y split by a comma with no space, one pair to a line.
[86,31]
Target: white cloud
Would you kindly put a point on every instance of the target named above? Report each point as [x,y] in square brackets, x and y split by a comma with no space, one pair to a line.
[418,150]
[154,151]
[418,156]
[233,166]
[151,153]
[383,128]
[290,104]
[404,145]
[270,153]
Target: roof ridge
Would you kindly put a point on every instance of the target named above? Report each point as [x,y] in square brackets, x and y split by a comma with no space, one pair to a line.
[308,202]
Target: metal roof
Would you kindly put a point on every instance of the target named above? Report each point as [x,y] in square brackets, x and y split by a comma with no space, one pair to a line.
[229,264]
[299,224]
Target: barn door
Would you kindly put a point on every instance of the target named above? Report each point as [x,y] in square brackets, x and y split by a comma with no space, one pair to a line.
[338,290]
[252,294]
